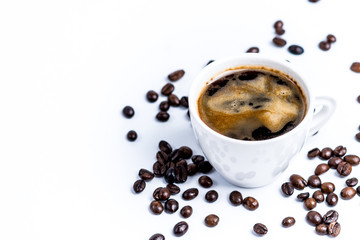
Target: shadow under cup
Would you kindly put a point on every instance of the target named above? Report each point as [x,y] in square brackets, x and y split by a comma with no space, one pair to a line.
[248,163]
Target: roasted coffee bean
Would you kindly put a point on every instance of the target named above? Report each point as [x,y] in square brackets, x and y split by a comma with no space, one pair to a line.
[165,147]
[260,229]
[298,181]
[332,199]
[174,156]
[250,203]
[318,196]
[330,216]
[344,169]
[190,194]
[128,112]
[171,205]
[162,157]
[287,188]
[181,162]
[139,186]
[157,236]
[351,182]
[310,203]
[296,49]
[278,24]
[197,159]
[303,196]
[185,152]
[192,169]
[205,181]
[314,1]
[180,228]
[358,190]
[347,193]
[340,151]
[334,162]
[186,211]
[313,153]
[152,96]
[327,187]
[314,181]
[146,174]
[167,89]
[357,136]
[161,193]
[205,167]
[278,41]
[184,101]
[131,135]
[162,116]
[159,169]
[313,218]
[174,76]
[321,168]
[279,31]
[173,100]
[156,207]
[174,189]
[355,67]
[236,198]
[331,38]
[334,229]
[288,222]
[324,45]
[253,50]
[180,174]
[211,196]
[352,159]
[326,153]
[170,175]
[164,106]
[211,220]
[321,229]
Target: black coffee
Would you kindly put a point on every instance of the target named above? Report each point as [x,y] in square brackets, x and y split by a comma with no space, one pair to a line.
[254,103]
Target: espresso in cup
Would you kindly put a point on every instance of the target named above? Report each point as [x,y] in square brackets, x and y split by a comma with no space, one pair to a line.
[252,103]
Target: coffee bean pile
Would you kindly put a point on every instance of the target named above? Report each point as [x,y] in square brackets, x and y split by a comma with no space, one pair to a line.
[339,160]
[325,45]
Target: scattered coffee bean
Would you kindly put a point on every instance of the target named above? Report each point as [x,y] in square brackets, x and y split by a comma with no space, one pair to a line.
[278,24]
[318,196]
[174,189]
[352,159]
[205,167]
[358,190]
[190,194]
[253,50]
[174,76]
[152,96]
[184,101]
[303,196]
[162,116]
[326,153]
[164,106]
[156,207]
[321,168]
[331,38]
[211,220]
[131,135]
[296,50]
[260,229]
[332,199]
[313,153]
[157,236]
[327,187]
[128,112]
[211,196]
[321,229]
[180,174]
[357,136]
[355,67]
[146,174]
[340,151]
[324,45]
[344,169]
[279,31]
[169,175]
[167,89]
[174,156]
[278,41]
[205,181]
[330,216]
[171,205]
[334,162]
[159,169]
[314,181]
[298,181]
[186,211]
[287,188]
[288,222]
[139,186]
[313,218]
[162,157]
[185,152]
[310,203]
[192,169]
[314,1]
[334,229]
[161,193]
[236,198]
[351,182]
[250,203]
[347,193]
[165,147]
[180,228]
[197,159]
[173,100]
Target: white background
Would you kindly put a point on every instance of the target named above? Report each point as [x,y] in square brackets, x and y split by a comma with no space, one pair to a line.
[67,68]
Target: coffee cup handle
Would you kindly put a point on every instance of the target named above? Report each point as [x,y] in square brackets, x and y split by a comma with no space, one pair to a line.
[324,108]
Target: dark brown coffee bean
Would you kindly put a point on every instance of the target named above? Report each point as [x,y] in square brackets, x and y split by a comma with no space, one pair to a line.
[355,67]
[358,190]
[173,100]
[298,181]
[157,236]
[162,116]
[164,106]
[357,136]
[171,205]
[205,167]
[313,153]
[351,182]
[352,159]
[278,41]
[331,38]
[161,193]
[186,211]
[174,156]
[169,175]
[327,187]
[288,222]
[197,159]
[181,162]
[190,194]
[174,189]
[205,181]
[184,101]
[324,45]
[236,198]
[180,174]
[318,196]
[174,76]
[279,31]
[211,196]
[314,1]
[296,50]
[250,203]
[321,168]
[344,169]
[139,186]
[326,153]
[340,151]
[253,50]
[303,196]
[310,203]
[192,169]
[330,216]
[167,89]
[314,181]
[146,174]
[162,157]
[211,220]
[152,96]
[332,199]
[260,229]
[321,229]
[287,188]
[347,193]
[278,24]
[334,229]
[180,228]
[185,152]
[159,169]
[165,147]
[313,218]
[156,207]
[334,162]
[128,112]
[131,135]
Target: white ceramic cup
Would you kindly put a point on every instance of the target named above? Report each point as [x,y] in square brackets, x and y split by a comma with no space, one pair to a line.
[255,163]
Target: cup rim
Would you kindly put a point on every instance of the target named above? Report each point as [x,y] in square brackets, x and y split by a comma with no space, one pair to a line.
[195,90]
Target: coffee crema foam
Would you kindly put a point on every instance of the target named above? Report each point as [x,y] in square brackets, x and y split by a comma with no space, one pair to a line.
[252,104]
